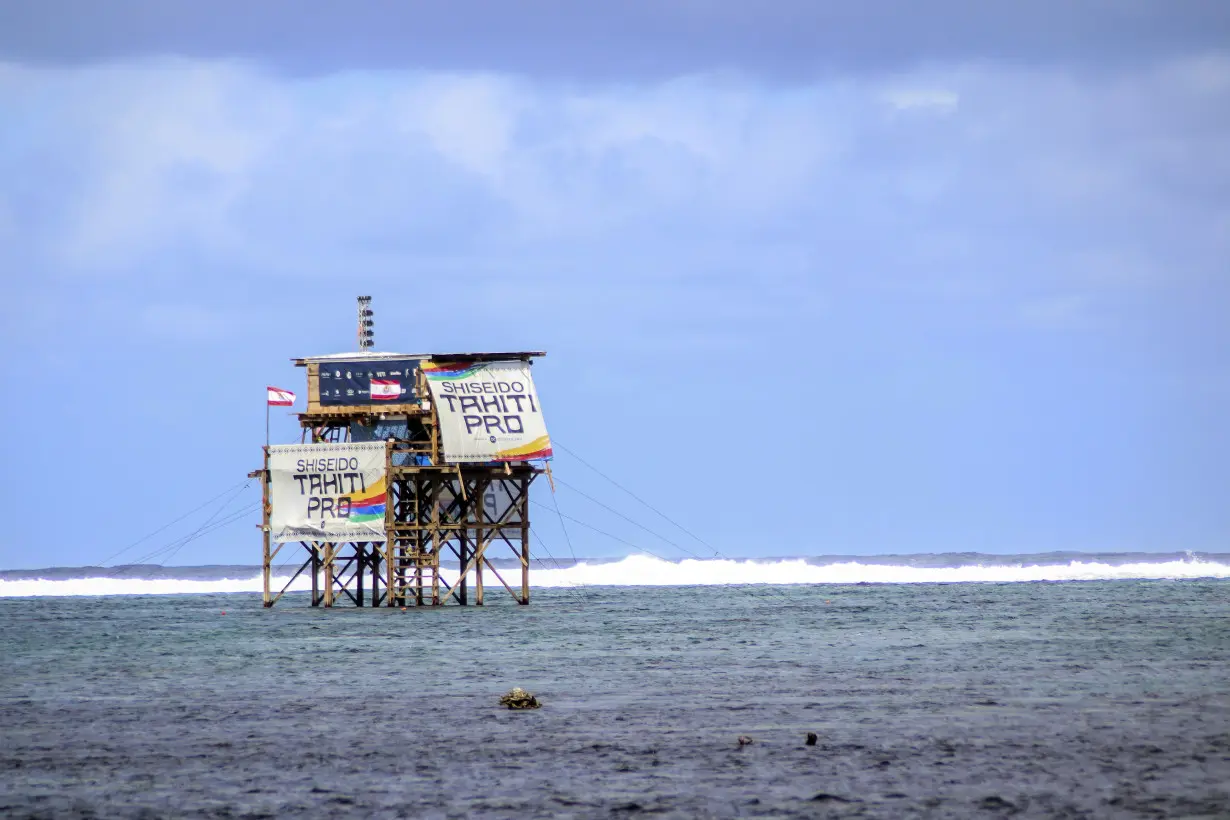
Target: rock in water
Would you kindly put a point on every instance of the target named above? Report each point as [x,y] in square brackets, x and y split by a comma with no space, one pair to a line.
[518,698]
[825,797]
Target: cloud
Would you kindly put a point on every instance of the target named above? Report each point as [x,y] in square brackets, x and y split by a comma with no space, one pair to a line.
[635,197]
[930,99]
[468,120]
[174,145]
[991,243]
[634,40]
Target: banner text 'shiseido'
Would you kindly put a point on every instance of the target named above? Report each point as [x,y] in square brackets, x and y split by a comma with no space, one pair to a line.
[488,411]
[327,492]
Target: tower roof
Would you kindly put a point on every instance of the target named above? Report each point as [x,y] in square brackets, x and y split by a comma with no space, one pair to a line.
[440,357]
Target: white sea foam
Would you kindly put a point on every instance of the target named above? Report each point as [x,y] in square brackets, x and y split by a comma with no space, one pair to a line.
[133,586]
[647,571]
[642,570]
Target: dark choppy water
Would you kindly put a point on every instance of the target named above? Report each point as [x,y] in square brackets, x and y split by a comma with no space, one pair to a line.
[1098,699]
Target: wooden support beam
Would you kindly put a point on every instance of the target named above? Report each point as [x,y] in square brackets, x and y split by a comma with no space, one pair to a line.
[392,500]
[266,556]
[524,501]
[377,557]
[315,559]
[463,549]
[435,540]
[480,495]
[328,573]
[302,567]
[452,589]
[496,572]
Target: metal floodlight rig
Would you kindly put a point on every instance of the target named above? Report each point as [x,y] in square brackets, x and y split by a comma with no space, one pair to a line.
[366,323]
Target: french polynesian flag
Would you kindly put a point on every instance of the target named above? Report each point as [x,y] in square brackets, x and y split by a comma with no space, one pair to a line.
[279,397]
[385,389]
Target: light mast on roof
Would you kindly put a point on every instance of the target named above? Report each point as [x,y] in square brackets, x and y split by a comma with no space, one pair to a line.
[365,323]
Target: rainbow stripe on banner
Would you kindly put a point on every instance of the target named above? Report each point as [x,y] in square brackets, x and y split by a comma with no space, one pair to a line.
[538,448]
[369,505]
[439,371]
[328,491]
[487,411]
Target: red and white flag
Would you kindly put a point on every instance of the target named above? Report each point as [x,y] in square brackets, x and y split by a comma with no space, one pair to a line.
[280,397]
[385,389]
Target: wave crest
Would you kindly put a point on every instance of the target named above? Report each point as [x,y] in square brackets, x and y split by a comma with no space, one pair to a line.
[640,570]
[643,570]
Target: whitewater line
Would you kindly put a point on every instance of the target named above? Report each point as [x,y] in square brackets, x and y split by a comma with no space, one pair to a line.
[645,571]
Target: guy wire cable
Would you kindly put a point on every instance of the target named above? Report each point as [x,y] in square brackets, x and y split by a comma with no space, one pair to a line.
[754,590]
[150,535]
[567,538]
[174,545]
[177,543]
[763,588]
[666,517]
[230,519]
[562,526]
[757,590]
[578,595]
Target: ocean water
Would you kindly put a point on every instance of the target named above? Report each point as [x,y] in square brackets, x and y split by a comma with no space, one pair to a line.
[1076,698]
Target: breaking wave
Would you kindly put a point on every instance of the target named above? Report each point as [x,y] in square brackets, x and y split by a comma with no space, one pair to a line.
[642,570]
[647,571]
[87,586]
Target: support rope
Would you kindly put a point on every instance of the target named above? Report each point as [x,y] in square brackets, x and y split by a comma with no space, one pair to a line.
[207,526]
[150,535]
[664,516]
[575,593]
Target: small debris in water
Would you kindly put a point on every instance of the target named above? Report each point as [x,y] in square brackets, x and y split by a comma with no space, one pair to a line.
[518,698]
[812,738]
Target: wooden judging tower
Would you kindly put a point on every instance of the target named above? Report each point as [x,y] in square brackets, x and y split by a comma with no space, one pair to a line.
[442,502]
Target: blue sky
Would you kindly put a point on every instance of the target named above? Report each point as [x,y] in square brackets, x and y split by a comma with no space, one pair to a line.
[812,278]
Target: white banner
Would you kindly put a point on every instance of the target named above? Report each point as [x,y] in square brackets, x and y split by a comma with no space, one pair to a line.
[327,492]
[497,501]
[488,411]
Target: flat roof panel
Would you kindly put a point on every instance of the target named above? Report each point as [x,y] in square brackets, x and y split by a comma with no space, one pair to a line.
[441,357]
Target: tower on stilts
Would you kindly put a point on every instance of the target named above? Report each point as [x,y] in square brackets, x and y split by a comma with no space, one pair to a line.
[408,465]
